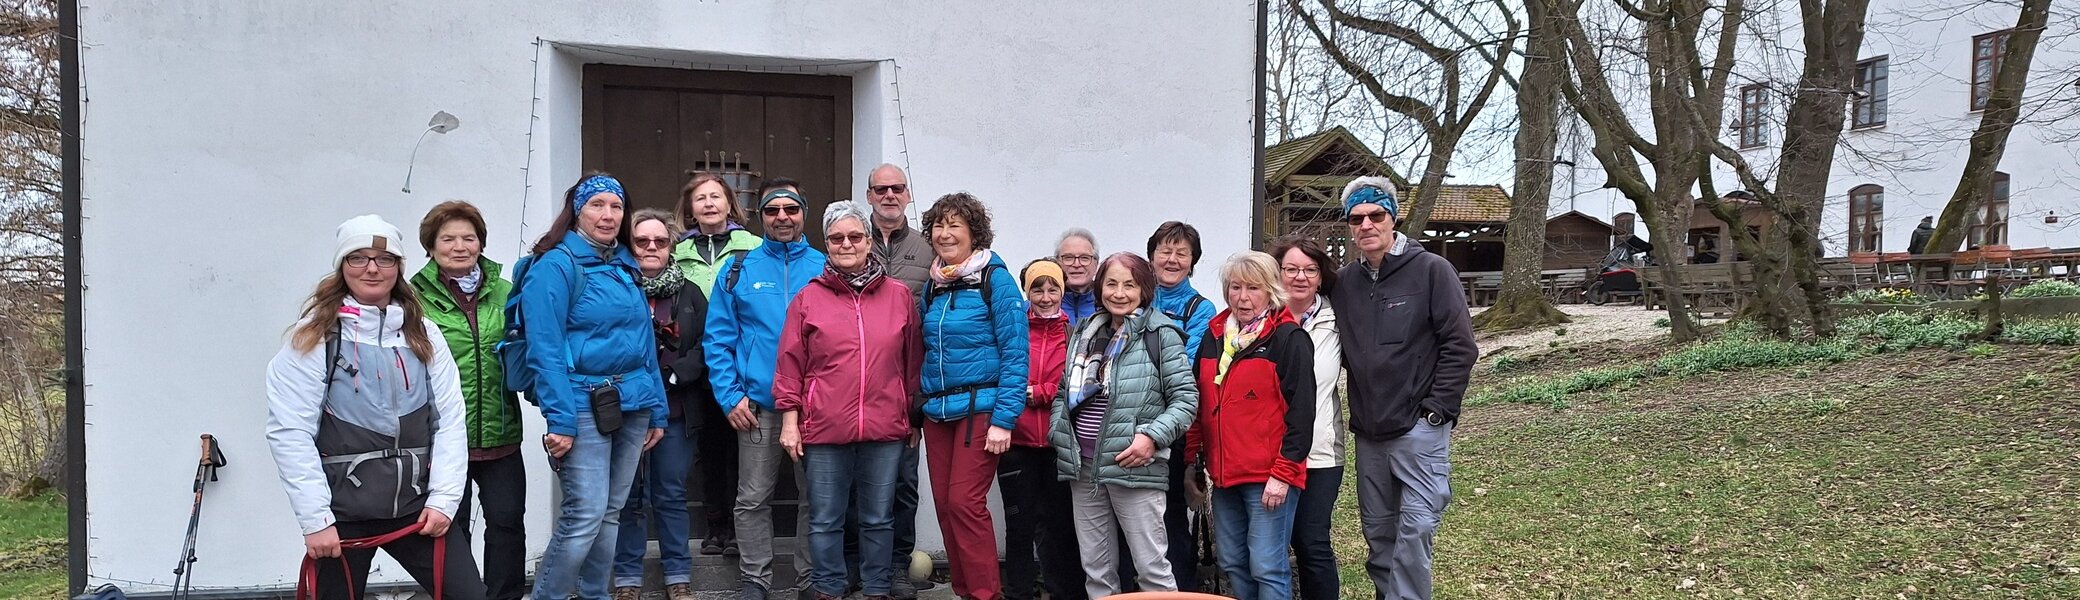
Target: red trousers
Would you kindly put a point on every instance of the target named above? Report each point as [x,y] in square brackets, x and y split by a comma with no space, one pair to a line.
[962,473]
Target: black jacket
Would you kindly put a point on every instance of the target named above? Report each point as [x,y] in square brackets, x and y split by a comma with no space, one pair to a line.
[1407,341]
[685,367]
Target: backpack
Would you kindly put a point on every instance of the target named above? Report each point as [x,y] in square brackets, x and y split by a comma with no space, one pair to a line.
[931,291]
[512,349]
[1192,306]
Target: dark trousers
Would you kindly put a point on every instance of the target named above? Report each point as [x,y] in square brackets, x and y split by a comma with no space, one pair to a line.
[715,461]
[1184,546]
[1314,558]
[414,553]
[504,485]
[1038,527]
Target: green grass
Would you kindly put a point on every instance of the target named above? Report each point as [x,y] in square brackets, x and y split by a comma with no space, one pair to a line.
[32,547]
[1919,474]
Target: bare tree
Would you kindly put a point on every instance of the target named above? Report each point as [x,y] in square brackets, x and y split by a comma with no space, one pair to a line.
[1990,140]
[1522,303]
[31,346]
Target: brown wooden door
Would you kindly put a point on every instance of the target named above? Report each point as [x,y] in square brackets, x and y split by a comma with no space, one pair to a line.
[653,128]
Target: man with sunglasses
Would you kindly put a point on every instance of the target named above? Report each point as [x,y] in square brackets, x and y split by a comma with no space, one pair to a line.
[1408,348]
[746,312]
[907,256]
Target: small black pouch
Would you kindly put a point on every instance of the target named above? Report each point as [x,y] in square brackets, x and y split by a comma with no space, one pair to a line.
[606,409]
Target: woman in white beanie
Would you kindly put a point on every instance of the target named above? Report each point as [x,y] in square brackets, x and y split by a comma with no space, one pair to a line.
[365,420]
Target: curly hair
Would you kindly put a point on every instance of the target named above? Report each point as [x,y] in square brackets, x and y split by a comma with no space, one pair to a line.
[969,210]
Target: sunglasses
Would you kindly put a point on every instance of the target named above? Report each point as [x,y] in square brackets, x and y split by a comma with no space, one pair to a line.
[791,210]
[847,239]
[896,188]
[652,242]
[1375,217]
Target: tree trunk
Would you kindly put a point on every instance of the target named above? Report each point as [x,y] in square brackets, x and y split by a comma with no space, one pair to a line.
[1990,140]
[1522,302]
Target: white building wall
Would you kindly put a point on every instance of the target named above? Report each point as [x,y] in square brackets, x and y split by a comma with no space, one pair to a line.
[224,141]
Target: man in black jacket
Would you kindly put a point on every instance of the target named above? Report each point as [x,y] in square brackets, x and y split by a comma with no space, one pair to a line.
[1408,349]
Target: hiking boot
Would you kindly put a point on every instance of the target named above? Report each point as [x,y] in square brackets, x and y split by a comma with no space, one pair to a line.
[752,591]
[729,545]
[628,593]
[679,591]
[712,546]
[899,587]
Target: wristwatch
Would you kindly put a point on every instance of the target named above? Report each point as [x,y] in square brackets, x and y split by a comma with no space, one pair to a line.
[1434,418]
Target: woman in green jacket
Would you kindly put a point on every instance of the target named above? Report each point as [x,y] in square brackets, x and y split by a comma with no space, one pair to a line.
[1127,394]
[462,293]
[709,213]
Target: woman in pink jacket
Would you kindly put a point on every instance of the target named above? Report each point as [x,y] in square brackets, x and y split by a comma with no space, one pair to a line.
[849,356]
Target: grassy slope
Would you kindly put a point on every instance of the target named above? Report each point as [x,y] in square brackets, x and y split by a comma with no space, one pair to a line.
[1929,474]
[32,547]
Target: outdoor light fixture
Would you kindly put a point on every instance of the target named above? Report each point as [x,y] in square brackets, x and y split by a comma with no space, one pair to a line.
[442,122]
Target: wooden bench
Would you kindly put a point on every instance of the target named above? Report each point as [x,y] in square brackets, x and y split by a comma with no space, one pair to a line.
[1717,289]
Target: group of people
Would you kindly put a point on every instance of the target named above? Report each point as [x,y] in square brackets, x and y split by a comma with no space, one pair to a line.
[1106,396]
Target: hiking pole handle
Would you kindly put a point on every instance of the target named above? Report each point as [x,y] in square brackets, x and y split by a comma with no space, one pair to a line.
[212,456]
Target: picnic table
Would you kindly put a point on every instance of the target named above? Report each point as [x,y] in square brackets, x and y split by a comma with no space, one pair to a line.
[1563,286]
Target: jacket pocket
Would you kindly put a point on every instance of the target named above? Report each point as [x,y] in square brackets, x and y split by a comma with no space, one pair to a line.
[1392,324]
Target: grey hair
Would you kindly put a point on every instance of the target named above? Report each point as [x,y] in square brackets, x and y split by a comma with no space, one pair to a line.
[890,166]
[842,210]
[1077,232]
[1384,185]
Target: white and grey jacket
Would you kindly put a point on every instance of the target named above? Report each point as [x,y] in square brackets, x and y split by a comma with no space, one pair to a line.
[385,439]
[1328,371]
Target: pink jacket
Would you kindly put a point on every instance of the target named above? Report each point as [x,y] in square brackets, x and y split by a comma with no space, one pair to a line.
[849,361]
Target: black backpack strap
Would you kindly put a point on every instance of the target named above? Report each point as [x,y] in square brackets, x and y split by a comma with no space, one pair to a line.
[332,354]
[736,270]
[1152,342]
[1190,308]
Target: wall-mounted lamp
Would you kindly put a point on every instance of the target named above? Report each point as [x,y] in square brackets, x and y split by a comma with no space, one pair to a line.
[442,123]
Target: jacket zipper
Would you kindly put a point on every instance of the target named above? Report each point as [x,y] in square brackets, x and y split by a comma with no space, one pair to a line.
[860,323]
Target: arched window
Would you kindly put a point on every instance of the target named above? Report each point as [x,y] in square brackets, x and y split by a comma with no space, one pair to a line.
[1866,218]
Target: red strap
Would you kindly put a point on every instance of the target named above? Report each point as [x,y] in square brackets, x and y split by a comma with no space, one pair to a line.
[307,578]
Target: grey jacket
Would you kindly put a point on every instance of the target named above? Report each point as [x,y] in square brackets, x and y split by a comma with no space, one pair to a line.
[907,256]
[1145,398]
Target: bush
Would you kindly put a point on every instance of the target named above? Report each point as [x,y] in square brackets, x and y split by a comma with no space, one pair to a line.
[2063,331]
[1738,352]
[1883,296]
[1663,323]
[2046,288]
[1898,332]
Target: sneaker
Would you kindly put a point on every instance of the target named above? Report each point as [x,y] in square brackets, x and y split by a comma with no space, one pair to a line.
[679,591]
[712,546]
[628,593]
[899,587]
[729,545]
[752,591]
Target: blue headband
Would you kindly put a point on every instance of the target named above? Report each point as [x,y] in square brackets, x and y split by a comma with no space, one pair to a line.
[594,186]
[777,194]
[1373,195]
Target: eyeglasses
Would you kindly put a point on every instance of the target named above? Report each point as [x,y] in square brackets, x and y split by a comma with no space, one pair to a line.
[791,210]
[893,188]
[1375,217]
[845,239]
[653,242]
[357,261]
[1077,259]
[1302,273]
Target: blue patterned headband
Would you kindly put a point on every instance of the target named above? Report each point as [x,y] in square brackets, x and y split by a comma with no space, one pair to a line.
[594,186]
[1372,195]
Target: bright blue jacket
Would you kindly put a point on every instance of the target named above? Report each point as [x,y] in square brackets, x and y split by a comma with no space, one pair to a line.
[1081,305]
[577,344]
[971,368]
[744,321]
[1173,301]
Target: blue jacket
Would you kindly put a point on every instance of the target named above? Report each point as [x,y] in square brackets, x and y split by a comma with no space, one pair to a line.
[1080,305]
[970,368]
[744,321]
[604,333]
[1174,300]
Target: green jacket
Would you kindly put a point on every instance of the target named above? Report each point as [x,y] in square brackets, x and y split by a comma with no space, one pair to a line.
[1161,402]
[702,271]
[492,413]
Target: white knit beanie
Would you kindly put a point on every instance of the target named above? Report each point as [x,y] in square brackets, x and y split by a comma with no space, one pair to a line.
[367,231]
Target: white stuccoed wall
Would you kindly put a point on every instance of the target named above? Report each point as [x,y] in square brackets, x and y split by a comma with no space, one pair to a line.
[225,141]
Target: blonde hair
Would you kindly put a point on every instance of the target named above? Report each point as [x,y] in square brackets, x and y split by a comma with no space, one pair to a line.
[1250,267]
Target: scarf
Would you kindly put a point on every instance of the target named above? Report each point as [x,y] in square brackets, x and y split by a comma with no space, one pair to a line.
[666,284]
[471,282]
[1235,338]
[969,271]
[868,272]
[1093,365]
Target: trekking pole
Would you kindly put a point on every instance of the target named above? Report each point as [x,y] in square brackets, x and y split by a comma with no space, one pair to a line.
[205,471]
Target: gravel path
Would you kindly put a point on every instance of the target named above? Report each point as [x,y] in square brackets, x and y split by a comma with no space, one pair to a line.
[1592,324]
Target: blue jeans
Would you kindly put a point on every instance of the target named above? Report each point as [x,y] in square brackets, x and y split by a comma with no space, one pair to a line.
[594,478]
[842,478]
[1253,540]
[660,486]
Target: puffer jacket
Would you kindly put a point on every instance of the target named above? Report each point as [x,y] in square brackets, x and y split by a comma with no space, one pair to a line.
[975,355]
[849,360]
[494,412]
[1047,355]
[603,335]
[744,322]
[700,256]
[1150,393]
[1258,422]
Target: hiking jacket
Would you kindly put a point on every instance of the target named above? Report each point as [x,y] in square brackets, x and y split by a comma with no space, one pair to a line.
[907,255]
[700,255]
[384,440]
[1080,305]
[1407,340]
[975,355]
[849,360]
[493,413]
[1257,422]
[1328,371]
[683,364]
[602,336]
[1047,354]
[1176,303]
[744,321]
[1151,392]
